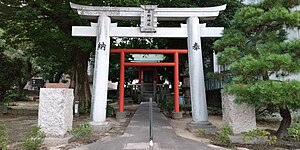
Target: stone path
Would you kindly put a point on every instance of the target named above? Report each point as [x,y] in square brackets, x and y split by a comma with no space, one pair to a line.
[136,136]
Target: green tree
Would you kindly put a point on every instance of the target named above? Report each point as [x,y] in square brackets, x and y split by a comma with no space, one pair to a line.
[26,63]
[255,50]
[10,71]
[47,26]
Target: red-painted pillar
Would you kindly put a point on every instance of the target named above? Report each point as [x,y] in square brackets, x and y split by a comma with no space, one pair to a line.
[142,75]
[122,78]
[176,82]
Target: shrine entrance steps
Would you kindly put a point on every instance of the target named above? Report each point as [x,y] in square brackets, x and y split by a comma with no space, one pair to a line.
[147,95]
[147,92]
[136,136]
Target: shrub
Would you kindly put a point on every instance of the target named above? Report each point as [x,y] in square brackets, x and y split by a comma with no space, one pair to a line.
[15,95]
[223,136]
[167,104]
[214,111]
[260,138]
[3,137]
[33,139]
[294,132]
[83,132]
[185,108]
[110,111]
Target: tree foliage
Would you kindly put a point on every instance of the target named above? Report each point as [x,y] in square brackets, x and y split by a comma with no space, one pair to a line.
[10,71]
[46,26]
[256,52]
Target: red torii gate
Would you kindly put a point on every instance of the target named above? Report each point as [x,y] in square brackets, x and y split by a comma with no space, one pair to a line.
[176,53]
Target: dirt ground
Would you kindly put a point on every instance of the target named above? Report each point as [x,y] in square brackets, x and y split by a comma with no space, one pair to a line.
[180,129]
[180,126]
[18,125]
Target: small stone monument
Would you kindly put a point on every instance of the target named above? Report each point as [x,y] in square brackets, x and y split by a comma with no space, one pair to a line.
[3,109]
[239,117]
[56,114]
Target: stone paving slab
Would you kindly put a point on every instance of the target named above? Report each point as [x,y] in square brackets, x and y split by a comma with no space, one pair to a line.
[136,136]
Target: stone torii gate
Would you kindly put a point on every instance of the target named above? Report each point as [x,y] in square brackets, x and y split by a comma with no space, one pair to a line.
[148,16]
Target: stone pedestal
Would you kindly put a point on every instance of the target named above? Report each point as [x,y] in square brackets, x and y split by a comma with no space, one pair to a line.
[239,117]
[99,128]
[57,141]
[121,115]
[56,111]
[205,126]
[177,115]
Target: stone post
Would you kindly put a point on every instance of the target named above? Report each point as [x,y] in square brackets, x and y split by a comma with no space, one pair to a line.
[197,86]
[99,96]
[239,117]
[154,92]
[142,91]
[55,115]
[215,62]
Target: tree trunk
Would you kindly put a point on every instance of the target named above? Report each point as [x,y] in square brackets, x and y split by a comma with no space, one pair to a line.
[80,81]
[27,75]
[285,123]
[21,85]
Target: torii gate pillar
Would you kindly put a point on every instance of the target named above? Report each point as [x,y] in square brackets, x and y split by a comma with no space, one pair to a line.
[197,85]
[98,113]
